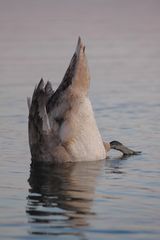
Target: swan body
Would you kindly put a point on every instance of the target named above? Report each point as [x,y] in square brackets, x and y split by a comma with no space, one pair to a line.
[80,135]
[62,126]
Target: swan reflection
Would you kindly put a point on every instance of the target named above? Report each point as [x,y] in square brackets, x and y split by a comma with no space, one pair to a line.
[60,198]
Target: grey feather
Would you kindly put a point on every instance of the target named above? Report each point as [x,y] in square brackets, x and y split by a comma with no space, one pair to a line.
[66,82]
[48,90]
[29,102]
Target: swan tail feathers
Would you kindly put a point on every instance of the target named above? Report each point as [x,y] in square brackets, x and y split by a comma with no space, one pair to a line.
[39,124]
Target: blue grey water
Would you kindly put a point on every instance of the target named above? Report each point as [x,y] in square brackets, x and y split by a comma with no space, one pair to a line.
[109,199]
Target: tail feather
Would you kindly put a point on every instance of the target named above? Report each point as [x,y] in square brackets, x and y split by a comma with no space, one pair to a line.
[39,124]
[29,103]
[48,90]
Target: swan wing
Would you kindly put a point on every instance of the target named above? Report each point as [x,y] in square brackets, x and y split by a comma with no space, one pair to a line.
[74,84]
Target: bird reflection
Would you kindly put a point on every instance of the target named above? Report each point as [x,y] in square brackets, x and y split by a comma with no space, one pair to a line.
[60,198]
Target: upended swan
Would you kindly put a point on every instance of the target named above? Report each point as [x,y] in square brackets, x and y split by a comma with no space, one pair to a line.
[62,126]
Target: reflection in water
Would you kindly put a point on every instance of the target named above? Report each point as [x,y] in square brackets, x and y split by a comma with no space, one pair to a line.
[60,198]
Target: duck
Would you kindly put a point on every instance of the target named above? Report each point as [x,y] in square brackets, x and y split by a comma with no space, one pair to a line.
[61,124]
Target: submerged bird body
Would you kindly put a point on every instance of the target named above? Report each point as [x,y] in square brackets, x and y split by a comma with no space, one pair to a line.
[62,126]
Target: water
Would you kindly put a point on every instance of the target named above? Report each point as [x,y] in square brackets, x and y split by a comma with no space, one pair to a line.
[112,199]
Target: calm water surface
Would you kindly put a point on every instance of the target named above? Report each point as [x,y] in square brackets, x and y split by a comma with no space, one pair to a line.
[113,199]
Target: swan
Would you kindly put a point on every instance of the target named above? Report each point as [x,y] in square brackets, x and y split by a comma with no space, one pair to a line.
[61,123]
